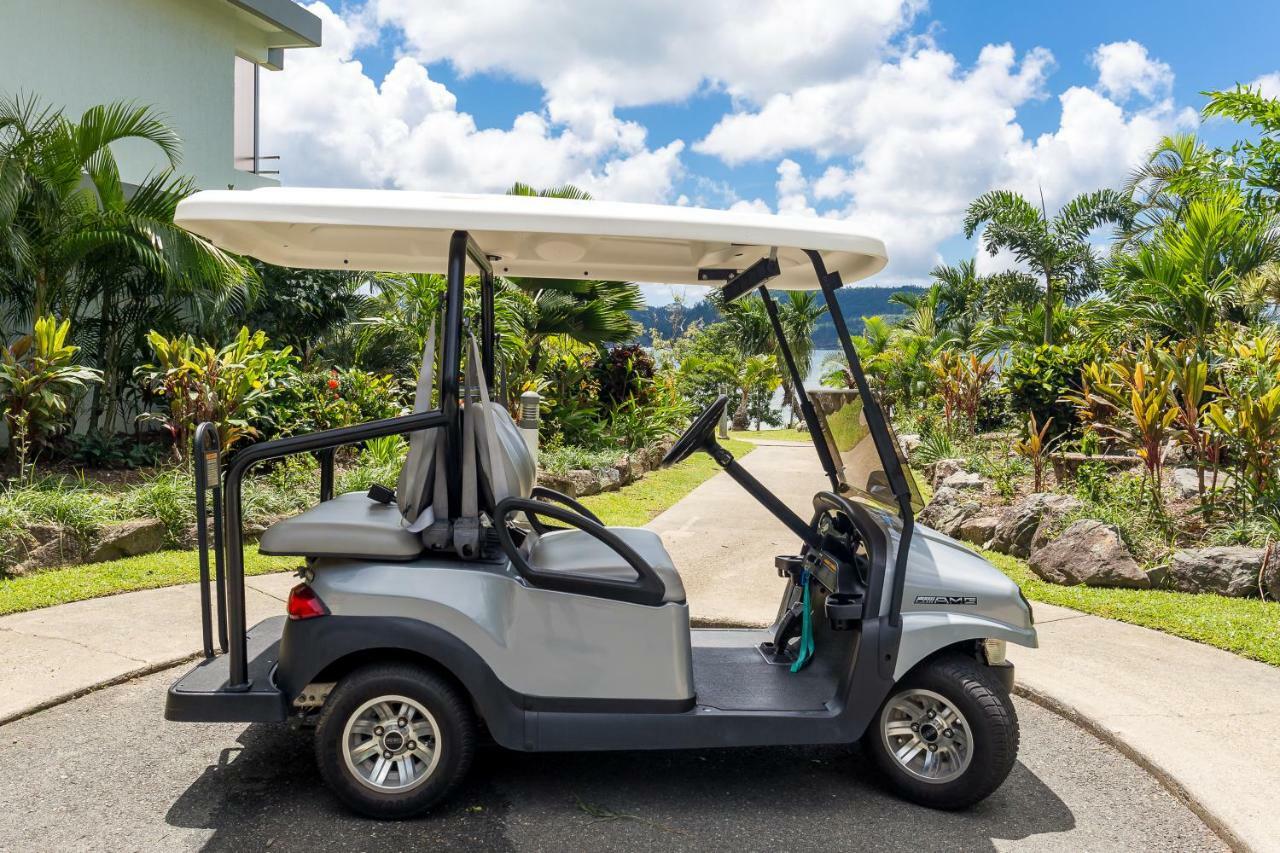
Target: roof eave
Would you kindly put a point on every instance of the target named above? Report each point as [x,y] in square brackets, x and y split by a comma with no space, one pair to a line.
[293,25]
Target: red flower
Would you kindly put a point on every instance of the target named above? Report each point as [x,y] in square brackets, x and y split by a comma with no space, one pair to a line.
[333,385]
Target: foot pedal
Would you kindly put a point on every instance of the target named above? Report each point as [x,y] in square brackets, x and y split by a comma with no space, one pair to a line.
[777,651]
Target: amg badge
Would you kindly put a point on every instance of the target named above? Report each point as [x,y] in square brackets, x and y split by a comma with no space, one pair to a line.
[946,599]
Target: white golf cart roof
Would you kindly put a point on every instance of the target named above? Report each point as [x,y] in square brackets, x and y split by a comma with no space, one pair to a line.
[406,231]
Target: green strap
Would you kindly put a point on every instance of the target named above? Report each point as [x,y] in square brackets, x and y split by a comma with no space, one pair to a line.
[806,630]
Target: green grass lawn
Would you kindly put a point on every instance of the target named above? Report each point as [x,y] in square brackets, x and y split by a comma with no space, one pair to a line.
[92,580]
[632,505]
[770,435]
[1247,626]
[636,504]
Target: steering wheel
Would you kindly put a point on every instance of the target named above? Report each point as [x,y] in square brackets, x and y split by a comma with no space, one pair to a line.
[697,433]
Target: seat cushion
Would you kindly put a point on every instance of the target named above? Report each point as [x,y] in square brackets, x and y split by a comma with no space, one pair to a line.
[350,525]
[580,553]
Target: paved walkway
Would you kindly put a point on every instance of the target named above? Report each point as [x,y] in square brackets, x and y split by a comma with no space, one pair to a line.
[1202,720]
[50,655]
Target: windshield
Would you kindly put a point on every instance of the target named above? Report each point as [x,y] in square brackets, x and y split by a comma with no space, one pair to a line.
[858,464]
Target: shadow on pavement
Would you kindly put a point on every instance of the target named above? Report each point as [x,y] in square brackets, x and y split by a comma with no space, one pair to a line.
[267,794]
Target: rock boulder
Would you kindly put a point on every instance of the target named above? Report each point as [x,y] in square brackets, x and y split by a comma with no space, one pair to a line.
[948,511]
[964,481]
[1016,531]
[1226,570]
[979,529]
[1089,552]
[127,539]
[944,468]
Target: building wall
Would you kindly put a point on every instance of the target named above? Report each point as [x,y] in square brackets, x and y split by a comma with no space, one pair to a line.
[175,55]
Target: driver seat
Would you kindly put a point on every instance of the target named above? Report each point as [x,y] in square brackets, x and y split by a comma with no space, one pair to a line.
[501,448]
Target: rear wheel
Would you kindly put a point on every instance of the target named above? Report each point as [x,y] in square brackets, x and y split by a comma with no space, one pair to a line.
[394,740]
[947,736]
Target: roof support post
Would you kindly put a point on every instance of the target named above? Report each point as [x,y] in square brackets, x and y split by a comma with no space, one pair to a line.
[879,428]
[450,368]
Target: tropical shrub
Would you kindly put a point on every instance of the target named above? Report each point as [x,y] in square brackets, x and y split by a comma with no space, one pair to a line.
[1248,416]
[1035,449]
[1130,399]
[333,398]
[231,386]
[39,382]
[961,380]
[624,373]
[1038,378]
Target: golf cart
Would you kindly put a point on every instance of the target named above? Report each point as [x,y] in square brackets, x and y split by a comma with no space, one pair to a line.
[468,598]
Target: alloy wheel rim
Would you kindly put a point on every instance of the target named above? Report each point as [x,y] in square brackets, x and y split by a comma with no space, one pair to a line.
[391,744]
[926,735]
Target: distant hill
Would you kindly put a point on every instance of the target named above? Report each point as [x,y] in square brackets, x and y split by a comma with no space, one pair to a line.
[855,303]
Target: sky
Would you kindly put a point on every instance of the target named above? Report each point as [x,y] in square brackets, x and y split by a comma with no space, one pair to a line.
[893,115]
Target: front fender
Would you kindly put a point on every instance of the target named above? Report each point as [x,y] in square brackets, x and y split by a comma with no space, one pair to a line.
[924,633]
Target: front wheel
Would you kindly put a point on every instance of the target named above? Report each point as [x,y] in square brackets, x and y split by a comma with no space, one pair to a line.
[394,740]
[947,736]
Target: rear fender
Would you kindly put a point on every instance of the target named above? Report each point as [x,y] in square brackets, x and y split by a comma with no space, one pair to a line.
[310,646]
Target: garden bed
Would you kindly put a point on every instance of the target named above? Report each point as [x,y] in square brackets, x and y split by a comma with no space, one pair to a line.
[98,507]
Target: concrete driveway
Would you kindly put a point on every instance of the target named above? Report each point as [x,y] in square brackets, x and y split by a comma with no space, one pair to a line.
[723,541]
[106,772]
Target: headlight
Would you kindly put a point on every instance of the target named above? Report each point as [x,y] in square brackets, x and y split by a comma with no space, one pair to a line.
[995,651]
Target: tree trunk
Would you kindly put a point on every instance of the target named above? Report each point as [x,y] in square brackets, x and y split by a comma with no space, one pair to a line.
[741,418]
[1048,306]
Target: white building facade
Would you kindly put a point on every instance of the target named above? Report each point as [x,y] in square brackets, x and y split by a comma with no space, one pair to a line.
[197,62]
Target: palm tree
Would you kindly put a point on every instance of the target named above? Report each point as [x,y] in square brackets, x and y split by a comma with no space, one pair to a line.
[1057,249]
[799,314]
[77,242]
[63,204]
[590,311]
[1177,170]
[1200,270]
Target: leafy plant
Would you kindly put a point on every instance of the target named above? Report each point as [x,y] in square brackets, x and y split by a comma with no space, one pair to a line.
[230,386]
[101,450]
[933,447]
[39,380]
[1038,378]
[961,381]
[1130,398]
[1035,448]
[624,373]
[1248,416]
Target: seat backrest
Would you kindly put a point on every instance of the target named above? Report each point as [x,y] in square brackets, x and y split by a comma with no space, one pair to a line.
[415,485]
[506,463]
[507,467]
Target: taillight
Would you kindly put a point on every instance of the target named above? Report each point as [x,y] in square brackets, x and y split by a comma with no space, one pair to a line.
[305,604]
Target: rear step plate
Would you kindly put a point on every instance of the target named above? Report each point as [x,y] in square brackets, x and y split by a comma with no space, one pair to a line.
[202,695]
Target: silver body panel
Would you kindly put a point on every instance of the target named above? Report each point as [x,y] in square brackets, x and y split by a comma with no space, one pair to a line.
[982,601]
[554,644]
[537,642]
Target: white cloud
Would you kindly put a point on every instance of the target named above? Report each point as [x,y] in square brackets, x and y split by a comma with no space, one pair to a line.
[1125,69]
[1269,84]
[905,136]
[406,131]
[916,139]
[583,52]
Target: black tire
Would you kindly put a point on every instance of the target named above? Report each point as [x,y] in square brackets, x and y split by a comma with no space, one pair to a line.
[993,731]
[456,742]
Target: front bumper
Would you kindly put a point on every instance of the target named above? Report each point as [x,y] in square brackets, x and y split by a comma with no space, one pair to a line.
[1004,672]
